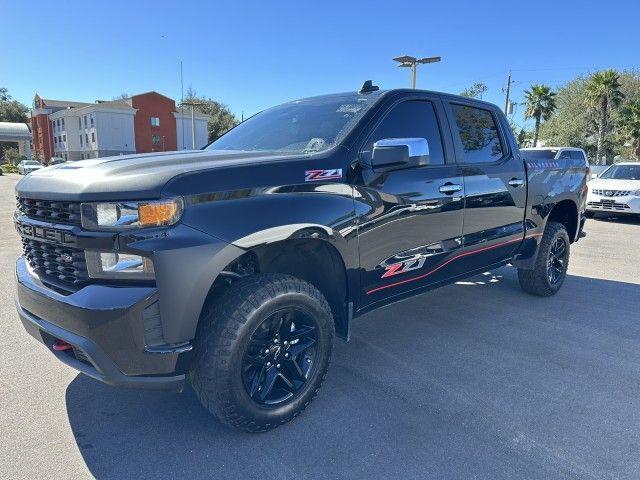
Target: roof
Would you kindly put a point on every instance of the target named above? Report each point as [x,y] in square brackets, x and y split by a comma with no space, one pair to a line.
[9,129]
[63,103]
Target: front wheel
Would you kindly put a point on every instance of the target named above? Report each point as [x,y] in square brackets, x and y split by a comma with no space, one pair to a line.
[262,351]
[551,265]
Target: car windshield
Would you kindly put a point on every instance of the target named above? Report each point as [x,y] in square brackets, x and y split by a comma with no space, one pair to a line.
[31,162]
[539,154]
[622,172]
[304,126]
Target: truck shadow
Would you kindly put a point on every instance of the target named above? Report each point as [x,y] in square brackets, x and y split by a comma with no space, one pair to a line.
[474,380]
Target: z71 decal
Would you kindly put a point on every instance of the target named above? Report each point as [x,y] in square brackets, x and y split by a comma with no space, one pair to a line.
[413,263]
[316,175]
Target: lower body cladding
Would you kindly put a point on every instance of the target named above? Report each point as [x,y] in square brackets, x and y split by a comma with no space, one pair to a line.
[101,330]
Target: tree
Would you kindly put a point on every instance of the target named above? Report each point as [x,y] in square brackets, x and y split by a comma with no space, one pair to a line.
[475,91]
[603,94]
[629,122]
[122,96]
[221,120]
[11,155]
[11,110]
[540,104]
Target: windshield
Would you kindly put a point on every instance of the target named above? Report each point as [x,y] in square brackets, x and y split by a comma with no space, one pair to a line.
[539,154]
[622,172]
[31,162]
[303,126]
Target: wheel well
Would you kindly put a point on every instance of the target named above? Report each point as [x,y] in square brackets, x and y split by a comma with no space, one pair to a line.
[312,260]
[566,212]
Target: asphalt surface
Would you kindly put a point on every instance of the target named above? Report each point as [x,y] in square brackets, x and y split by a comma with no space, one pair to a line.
[475,380]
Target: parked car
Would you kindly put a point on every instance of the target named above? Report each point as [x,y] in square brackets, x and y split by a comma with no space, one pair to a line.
[616,190]
[27,166]
[540,154]
[56,160]
[235,266]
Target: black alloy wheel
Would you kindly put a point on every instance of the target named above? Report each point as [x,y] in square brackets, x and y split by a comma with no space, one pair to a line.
[280,357]
[556,263]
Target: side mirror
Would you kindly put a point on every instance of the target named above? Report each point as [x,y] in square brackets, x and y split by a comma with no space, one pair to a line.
[594,175]
[391,153]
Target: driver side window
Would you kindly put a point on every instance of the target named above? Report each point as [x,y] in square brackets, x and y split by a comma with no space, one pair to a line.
[411,119]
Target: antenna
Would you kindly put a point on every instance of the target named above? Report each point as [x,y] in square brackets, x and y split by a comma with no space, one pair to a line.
[368,86]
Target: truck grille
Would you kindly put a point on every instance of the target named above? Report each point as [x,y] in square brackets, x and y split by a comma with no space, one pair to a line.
[59,265]
[612,193]
[67,213]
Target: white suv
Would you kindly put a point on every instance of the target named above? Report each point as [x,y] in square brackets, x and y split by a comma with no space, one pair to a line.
[616,190]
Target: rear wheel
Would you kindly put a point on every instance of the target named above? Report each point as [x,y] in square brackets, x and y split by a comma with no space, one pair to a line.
[551,265]
[262,351]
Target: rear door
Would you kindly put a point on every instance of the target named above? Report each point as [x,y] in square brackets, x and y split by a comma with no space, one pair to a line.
[495,184]
[410,219]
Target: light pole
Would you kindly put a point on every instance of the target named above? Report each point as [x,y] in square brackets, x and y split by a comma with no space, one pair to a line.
[193,123]
[412,62]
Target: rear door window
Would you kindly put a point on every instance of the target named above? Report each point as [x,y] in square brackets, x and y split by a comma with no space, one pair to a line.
[478,134]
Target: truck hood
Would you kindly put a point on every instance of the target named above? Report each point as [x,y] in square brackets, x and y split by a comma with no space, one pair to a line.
[612,184]
[130,177]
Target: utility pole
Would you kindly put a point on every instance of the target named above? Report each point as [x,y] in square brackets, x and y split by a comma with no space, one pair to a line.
[506,101]
[412,62]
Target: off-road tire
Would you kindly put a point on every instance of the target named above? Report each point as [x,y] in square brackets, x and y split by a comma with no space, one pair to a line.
[536,281]
[223,334]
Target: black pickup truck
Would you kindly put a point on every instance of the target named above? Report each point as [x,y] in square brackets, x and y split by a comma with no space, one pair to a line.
[236,265]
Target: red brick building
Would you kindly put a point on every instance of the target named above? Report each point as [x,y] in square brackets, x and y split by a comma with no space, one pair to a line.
[148,122]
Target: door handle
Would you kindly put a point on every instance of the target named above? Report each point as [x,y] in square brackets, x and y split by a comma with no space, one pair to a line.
[516,182]
[450,188]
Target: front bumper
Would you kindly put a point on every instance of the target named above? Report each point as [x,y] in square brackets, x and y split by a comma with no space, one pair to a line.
[626,204]
[106,327]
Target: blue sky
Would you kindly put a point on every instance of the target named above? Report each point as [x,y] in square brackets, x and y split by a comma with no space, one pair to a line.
[251,55]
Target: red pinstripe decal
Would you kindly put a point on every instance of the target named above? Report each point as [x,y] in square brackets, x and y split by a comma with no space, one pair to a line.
[424,275]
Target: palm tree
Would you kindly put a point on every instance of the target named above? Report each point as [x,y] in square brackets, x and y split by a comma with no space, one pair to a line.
[603,94]
[629,123]
[540,103]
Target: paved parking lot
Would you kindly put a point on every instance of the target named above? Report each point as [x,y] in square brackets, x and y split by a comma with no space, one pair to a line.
[475,380]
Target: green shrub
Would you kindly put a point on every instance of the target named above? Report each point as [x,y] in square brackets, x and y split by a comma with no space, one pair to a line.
[8,168]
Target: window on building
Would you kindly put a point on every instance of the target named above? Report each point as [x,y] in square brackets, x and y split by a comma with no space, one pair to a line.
[155,139]
[155,121]
[55,139]
[93,137]
[86,137]
[478,134]
[63,123]
[64,138]
[80,139]
[92,119]
[85,121]
[79,122]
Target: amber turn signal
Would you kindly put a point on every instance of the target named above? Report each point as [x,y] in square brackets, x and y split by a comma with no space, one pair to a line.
[164,212]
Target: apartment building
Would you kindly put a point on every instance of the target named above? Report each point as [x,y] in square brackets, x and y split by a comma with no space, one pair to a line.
[143,123]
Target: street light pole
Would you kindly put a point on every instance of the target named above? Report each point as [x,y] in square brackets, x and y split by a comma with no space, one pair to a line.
[412,62]
[193,122]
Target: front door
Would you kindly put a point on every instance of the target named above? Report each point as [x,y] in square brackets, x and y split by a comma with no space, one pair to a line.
[410,219]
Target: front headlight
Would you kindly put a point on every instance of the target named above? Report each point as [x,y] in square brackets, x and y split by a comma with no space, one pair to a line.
[126,215]
[118,266]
